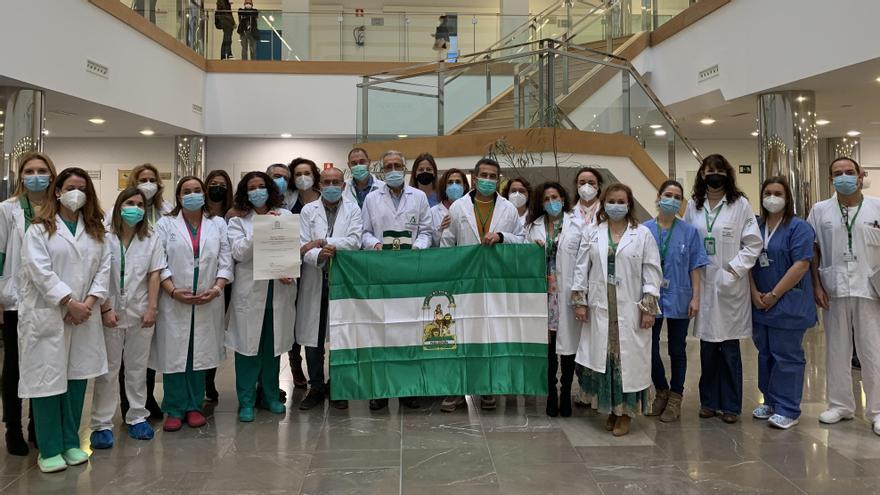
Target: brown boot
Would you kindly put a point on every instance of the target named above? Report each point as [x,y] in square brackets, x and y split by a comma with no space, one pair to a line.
[673,408]
[621,426]
[659,403]
[612,420]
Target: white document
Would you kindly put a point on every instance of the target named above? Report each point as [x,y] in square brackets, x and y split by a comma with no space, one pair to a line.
[276,247]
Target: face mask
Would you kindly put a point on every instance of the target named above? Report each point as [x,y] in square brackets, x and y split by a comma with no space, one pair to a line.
[846,184]
[149,189]
[616,211]
[36,183]
[587,192]
[193,201]
[360,172]
[304,182]
[425,178]
[773,204]
[394,179]
[217,194]
[73,200]
[281,182]
[487,186]
[258,197]
[517,198]
[669,205]
[716,181]
[132,215]
[553,207]
[331,194]
[454,191]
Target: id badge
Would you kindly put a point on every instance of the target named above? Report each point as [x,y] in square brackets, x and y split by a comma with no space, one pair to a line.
[665,283]
[709,244]
[763,260]
[848,256]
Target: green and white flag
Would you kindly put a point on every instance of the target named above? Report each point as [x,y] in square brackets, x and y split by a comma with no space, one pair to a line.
[452,321]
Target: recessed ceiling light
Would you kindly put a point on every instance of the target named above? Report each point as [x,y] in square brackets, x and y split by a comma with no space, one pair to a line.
[656,126]
[754,133]
[823,122]
[2,125]
[852,133]
[45,132]
[287,135]
[878,79]
[97,120]
[401,136]
[801,99]
[660,132]
[1,112]
[147,132]
[707,121]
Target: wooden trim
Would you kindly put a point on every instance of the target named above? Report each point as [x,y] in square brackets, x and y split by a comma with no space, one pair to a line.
[303,67]
[684,19]
[532,140]
[118,10]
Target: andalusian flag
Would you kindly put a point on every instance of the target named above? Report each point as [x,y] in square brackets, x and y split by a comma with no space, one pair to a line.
[451,321]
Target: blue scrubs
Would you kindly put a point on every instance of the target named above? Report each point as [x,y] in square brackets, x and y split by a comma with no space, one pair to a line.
[683,254]
[779,332]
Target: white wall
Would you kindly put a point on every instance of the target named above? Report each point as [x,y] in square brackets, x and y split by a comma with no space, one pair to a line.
[238,155]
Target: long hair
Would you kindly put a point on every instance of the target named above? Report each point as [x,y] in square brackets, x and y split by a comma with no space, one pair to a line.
[142,229]
[788,212]
[157,200]
[93,217]
[424,157]
[227,201]
[178,205]
[25,159]
[505,192]
[536,208]
[316,174]
[241,201]
[630,202]
[444,181]
[600,181]
[717,162]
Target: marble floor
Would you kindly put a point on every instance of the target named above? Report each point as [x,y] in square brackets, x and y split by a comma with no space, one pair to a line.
[515,449]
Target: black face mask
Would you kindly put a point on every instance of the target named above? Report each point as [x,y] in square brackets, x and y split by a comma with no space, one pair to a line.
[217,194]
[425,178]
[716,181]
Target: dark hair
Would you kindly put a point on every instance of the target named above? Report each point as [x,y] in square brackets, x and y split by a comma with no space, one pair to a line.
[505,192]
[444,179]
[142,229]
[601,216]
[718,162]
[227,202]
[316,174]
[668,183]
[93,217]
[598,175]
[788,212]
[485,161]
[840,158]
[179,206]
[536,208]
[422,158]
[354,150]
[241,201]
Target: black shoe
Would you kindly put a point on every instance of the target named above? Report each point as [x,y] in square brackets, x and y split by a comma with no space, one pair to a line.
[211,393]
[339,404]
[15,443]
[378,404]
[299,378]
[312,399]
[155,411]
[410,402]
[552,404]
[282,396]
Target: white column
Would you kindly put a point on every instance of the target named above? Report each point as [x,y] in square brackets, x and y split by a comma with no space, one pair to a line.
[296,29]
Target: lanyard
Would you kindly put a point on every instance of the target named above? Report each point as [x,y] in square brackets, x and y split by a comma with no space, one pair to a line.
[768,234]
[551,238]
[844,212]
[716,212]
[195,234]
[611,244]
[664,246]
[28,211]
[122,250]
[484,221]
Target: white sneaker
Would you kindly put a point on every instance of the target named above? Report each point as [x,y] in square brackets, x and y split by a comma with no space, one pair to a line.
[832,416]
[877,426]
[782,422]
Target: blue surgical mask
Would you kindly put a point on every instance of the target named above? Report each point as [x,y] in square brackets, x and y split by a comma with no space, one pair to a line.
[193,201]
[454,191]
[360,172]
[846,184]
[670,206]
[616,211]
[487,187]
[331,194]
[36,183]
[553,207]
[281,182]
[258,197]
[394,179]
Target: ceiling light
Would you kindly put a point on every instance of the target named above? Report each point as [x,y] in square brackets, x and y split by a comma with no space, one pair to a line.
[1,112]
[823,122]
[707,121]
[2,125]
[801,99]
[660,132]
[271,18]
[147,132]
[878,79]
[401,136]
[656,126]
[97,120]
[45,132]
[287,135]
[852,133]
[754,133]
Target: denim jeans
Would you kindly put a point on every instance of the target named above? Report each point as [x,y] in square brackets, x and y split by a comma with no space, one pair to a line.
[677,329]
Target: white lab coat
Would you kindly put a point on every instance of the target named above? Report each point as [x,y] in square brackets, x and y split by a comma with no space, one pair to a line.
[412,213]
[171,339]
[638,271]
[345,235]
[463,231]
[438,213]
[350,193]
[248,303]
[11,239]
[578,212]
[52,352]
[143,257]
[725,300]
[568,333]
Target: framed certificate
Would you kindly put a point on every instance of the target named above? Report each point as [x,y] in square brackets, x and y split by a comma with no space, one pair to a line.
[276,247]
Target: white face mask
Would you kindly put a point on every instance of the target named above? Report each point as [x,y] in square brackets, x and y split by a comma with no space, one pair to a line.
[149,189]
[517,198]
[304,182]
[587,192]
[774,204]
[73,200]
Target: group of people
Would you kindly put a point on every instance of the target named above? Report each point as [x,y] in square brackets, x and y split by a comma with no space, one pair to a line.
[248,32]
[144,288]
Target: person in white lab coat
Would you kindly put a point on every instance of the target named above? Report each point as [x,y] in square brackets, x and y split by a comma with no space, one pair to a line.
[588,182]
[396,216]
[846,281]
[66,270]
[362,182]
[129,316]
[452,186]
[729,231]
[518,191]
[553,226]
[189,329]
[261,312]
[35,172]
[481,217]
[616,289]
[326,226]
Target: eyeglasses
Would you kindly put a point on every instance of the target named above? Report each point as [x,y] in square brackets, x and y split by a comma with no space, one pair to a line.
[394,167]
